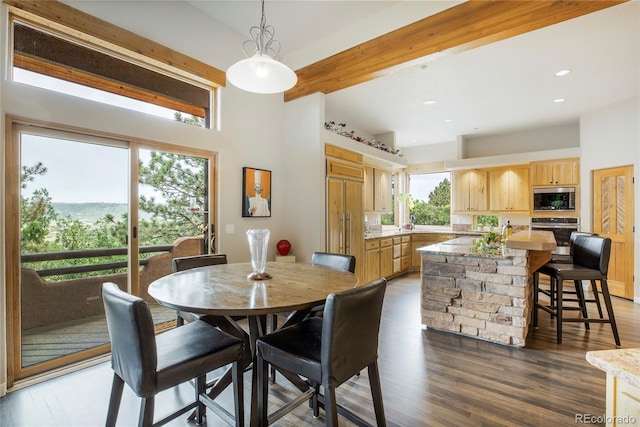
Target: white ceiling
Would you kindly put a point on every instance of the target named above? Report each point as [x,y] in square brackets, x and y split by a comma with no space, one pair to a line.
[502,87]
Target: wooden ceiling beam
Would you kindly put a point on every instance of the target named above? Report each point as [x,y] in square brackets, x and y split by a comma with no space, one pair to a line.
[462,27]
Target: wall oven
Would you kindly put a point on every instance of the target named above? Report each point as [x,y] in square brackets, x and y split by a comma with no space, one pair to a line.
[554,199]
[561,229]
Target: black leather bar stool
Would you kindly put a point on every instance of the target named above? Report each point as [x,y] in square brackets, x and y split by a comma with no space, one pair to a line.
[568,259]
[590,262]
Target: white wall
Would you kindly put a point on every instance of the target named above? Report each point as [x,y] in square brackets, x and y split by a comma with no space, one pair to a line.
[251,129]
[610,137]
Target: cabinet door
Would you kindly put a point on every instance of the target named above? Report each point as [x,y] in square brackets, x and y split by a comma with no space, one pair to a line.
[519,189]
[382,200]
[386,262]
[335,215]
[372,261]
[478,197]
[542,173]
[354,225]
[499,194]
[460,191]
[369,186]
[566,172]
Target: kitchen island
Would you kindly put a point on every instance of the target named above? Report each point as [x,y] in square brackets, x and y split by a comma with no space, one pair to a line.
[486,296]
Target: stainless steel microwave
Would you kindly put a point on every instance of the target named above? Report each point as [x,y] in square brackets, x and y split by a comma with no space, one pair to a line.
[554,199]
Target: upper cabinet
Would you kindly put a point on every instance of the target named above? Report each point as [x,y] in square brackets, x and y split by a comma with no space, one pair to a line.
[555,172]
[470,191]
[377,184]
[509,189]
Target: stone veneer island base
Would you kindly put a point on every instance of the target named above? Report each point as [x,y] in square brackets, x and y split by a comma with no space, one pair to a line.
[484,296]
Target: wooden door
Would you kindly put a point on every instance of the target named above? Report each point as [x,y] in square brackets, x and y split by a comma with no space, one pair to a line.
[613,217]
[519,189]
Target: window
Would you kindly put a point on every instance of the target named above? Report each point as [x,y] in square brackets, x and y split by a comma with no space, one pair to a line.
[430,198]
[60,56]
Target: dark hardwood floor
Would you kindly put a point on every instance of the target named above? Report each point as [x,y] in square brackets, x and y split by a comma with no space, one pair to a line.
[429,378]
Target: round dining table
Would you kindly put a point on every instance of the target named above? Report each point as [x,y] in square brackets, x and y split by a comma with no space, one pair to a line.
[224,291]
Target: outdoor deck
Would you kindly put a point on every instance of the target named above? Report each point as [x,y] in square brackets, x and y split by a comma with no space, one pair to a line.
[61,339]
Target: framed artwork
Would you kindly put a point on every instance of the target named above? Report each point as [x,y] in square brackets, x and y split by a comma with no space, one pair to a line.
[256,193]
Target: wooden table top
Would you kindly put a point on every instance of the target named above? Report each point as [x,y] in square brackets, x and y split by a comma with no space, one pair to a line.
[225,290]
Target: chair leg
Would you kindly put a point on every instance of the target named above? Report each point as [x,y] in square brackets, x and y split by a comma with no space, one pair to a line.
[330,407]
[376,394]
[263,390]
[559,302]
[581,302]
[314,401]
[274,326]
[114,401]
[179,320]
[596,296]
[237,374]
[146,412]
[607,303]
[200,388]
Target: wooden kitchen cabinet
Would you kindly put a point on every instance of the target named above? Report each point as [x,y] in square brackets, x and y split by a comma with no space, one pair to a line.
[623,400]
[470,191]
[378,259]
[556,172]
[401,254]
[377,190]
[509,189]
[345,209]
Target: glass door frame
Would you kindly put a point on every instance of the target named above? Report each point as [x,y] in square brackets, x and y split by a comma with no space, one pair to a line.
[16,126]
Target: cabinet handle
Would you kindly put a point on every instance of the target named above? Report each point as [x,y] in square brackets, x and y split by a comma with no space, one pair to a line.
[342,232]
[348,239]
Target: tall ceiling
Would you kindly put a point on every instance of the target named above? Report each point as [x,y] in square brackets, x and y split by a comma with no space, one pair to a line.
[497,88]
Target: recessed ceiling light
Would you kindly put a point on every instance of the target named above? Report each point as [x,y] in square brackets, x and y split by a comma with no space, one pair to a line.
[448,120]
[423,67]
[413,140]
[562,73]
[430,102]
[559,100]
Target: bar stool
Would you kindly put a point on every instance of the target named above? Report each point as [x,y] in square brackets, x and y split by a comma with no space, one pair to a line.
[590,262]
[568,259]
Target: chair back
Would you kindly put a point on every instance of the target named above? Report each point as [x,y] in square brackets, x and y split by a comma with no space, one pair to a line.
[574,236]
[189,262]
[337,261]
[592,252]
[133,341]
[350,328]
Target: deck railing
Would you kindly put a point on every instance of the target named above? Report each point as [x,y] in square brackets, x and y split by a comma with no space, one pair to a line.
[87,253]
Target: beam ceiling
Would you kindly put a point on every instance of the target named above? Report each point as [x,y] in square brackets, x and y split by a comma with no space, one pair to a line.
[468,25]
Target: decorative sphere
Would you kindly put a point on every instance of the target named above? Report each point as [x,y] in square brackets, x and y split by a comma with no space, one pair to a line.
[283,247]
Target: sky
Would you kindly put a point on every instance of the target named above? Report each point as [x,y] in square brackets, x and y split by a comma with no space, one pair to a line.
[421,185]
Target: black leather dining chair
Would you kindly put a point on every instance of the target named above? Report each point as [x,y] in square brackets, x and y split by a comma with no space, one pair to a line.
[327,351]
[149,364]
[187,263]
[590,262]
[326,259]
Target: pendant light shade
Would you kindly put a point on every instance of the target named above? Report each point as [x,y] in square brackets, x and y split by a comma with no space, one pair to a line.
[260,72]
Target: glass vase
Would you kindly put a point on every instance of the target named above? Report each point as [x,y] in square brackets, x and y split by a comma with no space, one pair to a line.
[258,246]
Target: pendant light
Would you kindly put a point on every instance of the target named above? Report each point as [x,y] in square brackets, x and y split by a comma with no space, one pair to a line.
[260,72]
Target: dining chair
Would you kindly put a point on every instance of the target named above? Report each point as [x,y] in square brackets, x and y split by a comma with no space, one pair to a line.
[149,364]
[327,351]
[195,261]
[590,262]
[326,259]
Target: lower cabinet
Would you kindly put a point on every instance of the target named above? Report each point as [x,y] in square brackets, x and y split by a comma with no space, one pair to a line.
[386,257]
[623,402]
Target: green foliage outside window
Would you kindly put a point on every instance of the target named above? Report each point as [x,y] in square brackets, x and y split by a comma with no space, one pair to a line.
[486,220]
[435,211]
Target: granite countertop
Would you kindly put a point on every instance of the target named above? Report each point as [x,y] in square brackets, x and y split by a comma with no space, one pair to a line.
[432,230]
[459,246]
[621,363]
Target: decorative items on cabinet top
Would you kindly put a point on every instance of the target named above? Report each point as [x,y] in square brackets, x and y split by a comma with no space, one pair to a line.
[339,129]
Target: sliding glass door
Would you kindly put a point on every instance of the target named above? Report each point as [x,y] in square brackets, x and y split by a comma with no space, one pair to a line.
[83,210]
